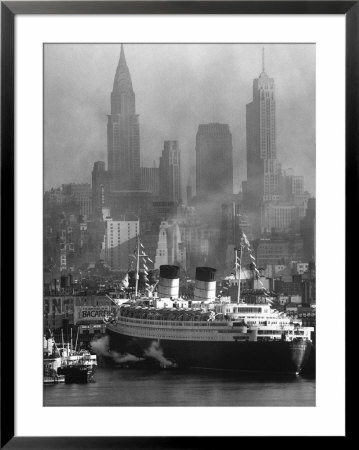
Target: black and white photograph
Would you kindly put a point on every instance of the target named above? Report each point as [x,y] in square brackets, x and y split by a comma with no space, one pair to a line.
[179,217]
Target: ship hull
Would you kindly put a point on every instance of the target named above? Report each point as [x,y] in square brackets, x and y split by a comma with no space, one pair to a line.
[76,374]
[251,356]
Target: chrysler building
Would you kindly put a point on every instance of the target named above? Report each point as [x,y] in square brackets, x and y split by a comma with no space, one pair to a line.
[123,132]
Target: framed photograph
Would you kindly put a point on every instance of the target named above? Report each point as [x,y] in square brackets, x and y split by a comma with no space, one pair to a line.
[173,200]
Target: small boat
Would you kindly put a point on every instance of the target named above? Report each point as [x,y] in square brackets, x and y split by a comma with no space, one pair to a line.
[71,365]
[78,367]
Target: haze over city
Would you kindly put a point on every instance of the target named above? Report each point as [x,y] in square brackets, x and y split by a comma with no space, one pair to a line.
[177,88]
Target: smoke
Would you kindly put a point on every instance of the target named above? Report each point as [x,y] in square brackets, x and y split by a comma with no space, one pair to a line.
[119,359]
[155,351]
[101,347]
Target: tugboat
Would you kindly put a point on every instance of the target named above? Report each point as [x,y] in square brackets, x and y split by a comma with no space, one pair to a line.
[78,367]
[69,365]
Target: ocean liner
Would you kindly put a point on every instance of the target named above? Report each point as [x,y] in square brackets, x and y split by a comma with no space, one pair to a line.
[208,332]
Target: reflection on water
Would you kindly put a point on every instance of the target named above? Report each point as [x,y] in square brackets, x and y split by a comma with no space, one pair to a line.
[129,387]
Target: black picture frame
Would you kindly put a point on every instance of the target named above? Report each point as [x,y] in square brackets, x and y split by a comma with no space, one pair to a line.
[9,10]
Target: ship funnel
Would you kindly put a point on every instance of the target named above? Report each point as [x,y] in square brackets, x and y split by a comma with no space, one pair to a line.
[205,286]
[168,285]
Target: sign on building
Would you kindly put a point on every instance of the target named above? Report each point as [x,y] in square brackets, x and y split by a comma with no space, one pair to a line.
[90,313]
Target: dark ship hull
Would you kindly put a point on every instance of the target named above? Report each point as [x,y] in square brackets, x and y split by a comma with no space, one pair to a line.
[76,374]
[252,356]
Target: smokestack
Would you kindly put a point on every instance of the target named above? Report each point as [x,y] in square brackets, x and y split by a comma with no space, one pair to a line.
[168,285]
[205,286]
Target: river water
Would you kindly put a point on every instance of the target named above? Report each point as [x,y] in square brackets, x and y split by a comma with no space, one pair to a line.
[134,387]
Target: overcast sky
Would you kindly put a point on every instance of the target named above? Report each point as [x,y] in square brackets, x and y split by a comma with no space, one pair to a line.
[177,87]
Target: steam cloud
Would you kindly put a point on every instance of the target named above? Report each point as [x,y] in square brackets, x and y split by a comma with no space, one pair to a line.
[155,351]
[101,347]
[118,358]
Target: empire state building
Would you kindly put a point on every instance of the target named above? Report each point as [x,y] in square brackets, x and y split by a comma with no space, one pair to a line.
[123,132]
[262,165]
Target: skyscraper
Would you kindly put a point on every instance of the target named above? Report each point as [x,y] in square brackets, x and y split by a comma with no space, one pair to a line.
[123,132]
[150,179]
[214,162]
[170,172]
[262,164]
[99,187]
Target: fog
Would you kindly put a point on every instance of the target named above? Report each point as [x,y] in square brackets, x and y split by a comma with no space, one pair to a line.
[177,87]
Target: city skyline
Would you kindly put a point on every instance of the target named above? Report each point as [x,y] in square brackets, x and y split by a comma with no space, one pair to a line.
[91,142]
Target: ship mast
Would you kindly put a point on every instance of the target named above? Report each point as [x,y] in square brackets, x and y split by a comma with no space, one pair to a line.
[77,338]
[137,264]
[238,269]
[62,339]
[138,256]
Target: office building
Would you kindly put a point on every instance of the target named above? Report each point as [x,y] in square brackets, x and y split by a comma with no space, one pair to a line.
[150,180]
[123,132]
[170,172]
[214,162]
[262,165]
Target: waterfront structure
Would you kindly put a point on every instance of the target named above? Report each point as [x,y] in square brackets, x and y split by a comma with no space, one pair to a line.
[63,312]
[123,132]
[170,172]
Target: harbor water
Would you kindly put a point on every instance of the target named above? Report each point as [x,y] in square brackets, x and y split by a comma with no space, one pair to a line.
[171,387]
